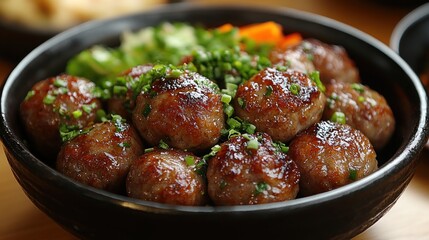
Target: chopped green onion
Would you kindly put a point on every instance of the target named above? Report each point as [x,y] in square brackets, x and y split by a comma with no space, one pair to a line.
[163,144]
[338,117]
[252,143]
[281,147]
[294,88]
[190,160]
[147,150]
[58,82]
[61,90]
[48,99]
[233,123]
[361,99]
[241,102]
[175,73]
[30,94]
[269,91]
[260,187]
[89,107]
[233,133]
[353,174]
[77,113]
[358,87]
[250,128]
[282,68]
[119,123]
[67,133]
[226,98]
[228,110]
[315,77]
[124,144]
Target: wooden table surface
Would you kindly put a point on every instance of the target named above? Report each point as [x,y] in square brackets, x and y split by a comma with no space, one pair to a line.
[408,218]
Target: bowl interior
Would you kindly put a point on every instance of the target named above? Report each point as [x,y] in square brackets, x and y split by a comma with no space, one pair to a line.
[379,66]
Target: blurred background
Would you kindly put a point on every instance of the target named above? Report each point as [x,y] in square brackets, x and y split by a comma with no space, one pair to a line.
[25,24]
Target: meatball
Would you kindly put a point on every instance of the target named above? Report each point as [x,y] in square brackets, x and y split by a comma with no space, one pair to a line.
[332,61]
[330,155]
[184,111]
[101,156]
[122,101]
[280,103]
[58,101]
[294,58]
[167,176]
[250,169]
[364,109]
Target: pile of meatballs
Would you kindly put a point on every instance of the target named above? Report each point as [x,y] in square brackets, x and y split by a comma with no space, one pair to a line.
[152,146]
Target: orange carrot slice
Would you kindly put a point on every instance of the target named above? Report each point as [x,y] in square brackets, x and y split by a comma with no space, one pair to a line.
[266,32]
[289,40]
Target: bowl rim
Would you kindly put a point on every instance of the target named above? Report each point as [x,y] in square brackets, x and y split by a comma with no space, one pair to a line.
[413,17]
[402,157]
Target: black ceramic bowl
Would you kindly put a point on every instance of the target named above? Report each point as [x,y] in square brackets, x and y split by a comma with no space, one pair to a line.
[337,214]
[410,38]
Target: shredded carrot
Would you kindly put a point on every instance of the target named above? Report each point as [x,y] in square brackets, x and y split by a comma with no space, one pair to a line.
[289,40]
[266,32]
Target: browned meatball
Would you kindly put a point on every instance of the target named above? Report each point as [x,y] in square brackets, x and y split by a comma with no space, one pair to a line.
[294,58]
[185,112]
[122,101]
[249,169]
[102,156]
[330,155]
[332,61]
[280,103]
[167,176]
[61,100]
[364,109]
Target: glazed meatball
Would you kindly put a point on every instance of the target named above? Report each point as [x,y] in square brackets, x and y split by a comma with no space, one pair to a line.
[122,101]
[101,156]
[249,169]
[184,111]
[58,101]
[330,155]
[294,58]
[363,108]
[167,176]
[280,103]
[332,61]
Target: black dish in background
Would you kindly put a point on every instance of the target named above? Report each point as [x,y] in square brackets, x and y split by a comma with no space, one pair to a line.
[17,40]
[338,214]
[410,38]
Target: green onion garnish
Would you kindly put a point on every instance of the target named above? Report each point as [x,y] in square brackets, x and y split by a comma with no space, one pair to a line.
[338,117]
[294,88]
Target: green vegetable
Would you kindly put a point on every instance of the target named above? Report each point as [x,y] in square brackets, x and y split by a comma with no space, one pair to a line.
[190,160]
[315,77]
[358,87]
[49,99]
[260,187]
[294,88]
[338,117]
[353,174]
[67,132]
